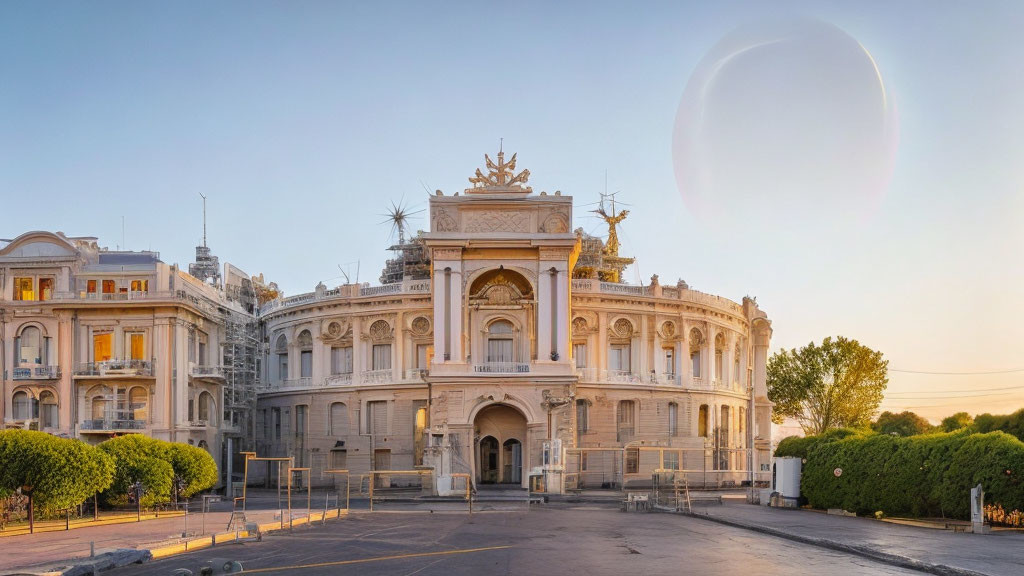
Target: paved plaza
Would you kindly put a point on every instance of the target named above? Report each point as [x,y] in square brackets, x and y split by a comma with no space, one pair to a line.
[574,540]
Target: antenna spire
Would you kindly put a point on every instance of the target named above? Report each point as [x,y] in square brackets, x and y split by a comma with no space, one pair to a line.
[204,218]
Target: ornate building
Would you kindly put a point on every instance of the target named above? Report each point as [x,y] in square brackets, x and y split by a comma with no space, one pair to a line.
[519,353]
[97,343]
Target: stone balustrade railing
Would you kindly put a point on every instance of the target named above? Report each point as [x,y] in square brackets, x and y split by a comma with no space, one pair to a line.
[350,291]
[583,285]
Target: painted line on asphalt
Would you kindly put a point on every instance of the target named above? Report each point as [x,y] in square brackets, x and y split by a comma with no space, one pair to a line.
[376,559]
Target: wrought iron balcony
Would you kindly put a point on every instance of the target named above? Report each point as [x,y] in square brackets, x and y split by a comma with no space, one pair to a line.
[115,368]
[502,368]
[37,373]
[112,425]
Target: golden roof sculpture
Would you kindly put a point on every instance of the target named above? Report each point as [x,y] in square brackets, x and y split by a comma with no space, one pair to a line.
[500,176]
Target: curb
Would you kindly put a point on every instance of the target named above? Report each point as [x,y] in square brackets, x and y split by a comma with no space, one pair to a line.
[863,551]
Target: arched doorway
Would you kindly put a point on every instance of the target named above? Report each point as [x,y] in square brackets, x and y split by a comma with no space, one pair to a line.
[500,457]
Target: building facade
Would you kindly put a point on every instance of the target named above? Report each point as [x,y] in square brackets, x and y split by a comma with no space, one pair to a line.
[519,351]
[97,343]
[501,344]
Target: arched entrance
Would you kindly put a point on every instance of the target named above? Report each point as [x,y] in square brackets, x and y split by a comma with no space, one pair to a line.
[500,457]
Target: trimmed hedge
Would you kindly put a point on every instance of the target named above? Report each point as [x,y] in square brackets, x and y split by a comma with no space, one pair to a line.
[156,463]
[928,475]
[58,473]
[799,446]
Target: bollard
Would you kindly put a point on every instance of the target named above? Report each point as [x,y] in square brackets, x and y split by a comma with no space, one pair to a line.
[92,549]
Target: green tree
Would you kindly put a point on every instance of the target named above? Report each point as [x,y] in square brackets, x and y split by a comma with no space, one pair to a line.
[138,458]
[903,424]
[195,467]
[837,384]
[1009,423]
[956,422]
[55,473]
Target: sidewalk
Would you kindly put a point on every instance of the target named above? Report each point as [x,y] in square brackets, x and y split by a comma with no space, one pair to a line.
[930,550]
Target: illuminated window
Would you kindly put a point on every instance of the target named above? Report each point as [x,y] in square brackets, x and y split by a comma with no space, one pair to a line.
[419,426]
[46,289]
[140,285]
[90,287]
[702,421]
[136,345]
[109,287]
[138,399]
[23,289]
[102,347]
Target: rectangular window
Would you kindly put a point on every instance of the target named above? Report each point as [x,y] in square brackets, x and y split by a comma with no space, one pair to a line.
[90,287]
[499,349]
[377,417]
[670,460]
[579,353]
[583,462]
[102,347]
[339,460]
[46,289]
[673,419]
[424,356]
[670,361]
[632,461]
[625,426]
[718,365]
[419,427]
[108,287]
[306,364]
[381,357]
[266,424]
[275,414]
[282,366]
[695,363]
[300,421]
[135,342]
[203,339]
[23,289]
[582,423]
[140,285]
[618,357]
[341,360]
[702,421]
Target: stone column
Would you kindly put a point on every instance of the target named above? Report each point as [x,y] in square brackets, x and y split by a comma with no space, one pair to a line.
[545,296]
[163,333]
[562,313]
[644,368]
[601,355]
[708,368]
[458,354]
[65,388]
[398,349]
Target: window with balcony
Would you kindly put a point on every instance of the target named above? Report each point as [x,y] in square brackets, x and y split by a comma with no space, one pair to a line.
[23,289]
[135,343]
[625,427]
[695,363]
[579,353]
[90,287]
[207,409]
[381,357]
[305,342]
[109,287]
[673,419]
[500,342]
[46,289]
[47,410]
[102,346]
[30,346]
[140,285]
[618,357]
[138,403]
[341,360]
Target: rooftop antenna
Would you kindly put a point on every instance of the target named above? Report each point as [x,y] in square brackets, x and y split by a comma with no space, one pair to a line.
[501,145]
[123,247]
[345,274]
[398,215]
[204,218]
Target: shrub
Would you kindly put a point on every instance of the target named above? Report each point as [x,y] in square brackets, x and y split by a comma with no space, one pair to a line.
[924,475]
[194,466]
[56,473]
[799,446]
[138,458]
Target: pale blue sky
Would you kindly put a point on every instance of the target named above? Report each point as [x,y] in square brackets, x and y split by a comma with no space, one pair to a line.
[302,121]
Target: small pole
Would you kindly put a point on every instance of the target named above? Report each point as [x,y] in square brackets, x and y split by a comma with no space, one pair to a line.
[185,533]
[95,507]
[31,515]
[92,549]
[67,519]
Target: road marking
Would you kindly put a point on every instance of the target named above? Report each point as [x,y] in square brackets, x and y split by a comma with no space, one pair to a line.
[376,559]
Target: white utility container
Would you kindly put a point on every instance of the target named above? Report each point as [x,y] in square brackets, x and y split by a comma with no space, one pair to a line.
[786,479]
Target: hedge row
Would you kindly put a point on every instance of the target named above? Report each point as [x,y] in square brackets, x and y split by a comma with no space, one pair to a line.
[59,473]
[930,475]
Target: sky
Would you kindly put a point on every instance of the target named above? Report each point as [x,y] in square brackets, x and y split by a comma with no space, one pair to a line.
[856,166]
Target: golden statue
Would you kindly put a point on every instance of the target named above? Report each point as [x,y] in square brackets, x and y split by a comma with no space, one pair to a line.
[611,246]
[501,174]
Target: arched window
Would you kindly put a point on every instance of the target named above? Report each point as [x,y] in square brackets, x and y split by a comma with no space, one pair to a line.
[305,342]
[207,409]
[30,346]
[48,410]
[673,419]
[702,421]
[500,342]
[339,419]
[22,406]
[281,348]
[138,403]
[99,402]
